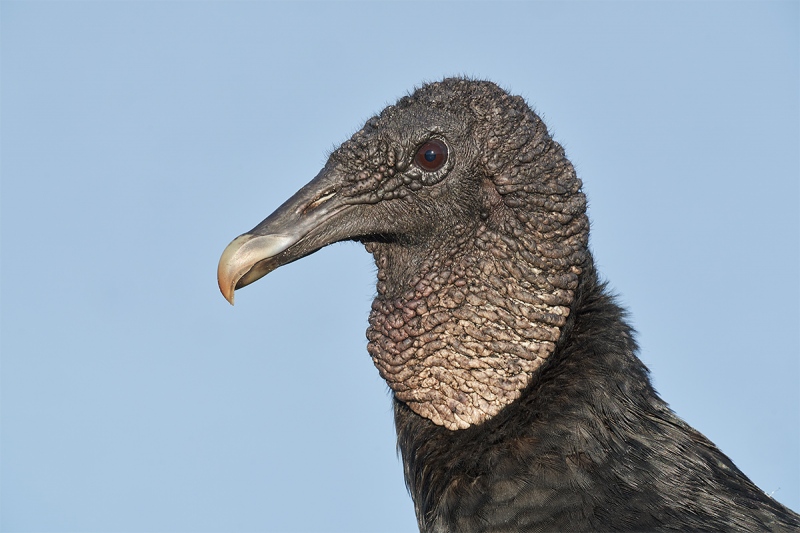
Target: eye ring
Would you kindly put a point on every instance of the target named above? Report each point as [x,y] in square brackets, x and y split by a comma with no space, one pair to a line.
[431,155]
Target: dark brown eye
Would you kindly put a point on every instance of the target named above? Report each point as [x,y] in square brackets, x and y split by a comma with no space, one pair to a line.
[431,156]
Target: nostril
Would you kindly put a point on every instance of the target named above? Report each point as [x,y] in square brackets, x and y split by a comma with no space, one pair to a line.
[321,199]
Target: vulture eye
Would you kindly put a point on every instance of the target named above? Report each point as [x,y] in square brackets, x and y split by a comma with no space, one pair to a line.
[431,156]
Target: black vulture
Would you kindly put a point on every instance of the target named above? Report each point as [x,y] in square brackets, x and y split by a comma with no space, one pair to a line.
[519,400]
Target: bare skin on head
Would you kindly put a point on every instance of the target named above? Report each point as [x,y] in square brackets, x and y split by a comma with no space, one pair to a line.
[458,337]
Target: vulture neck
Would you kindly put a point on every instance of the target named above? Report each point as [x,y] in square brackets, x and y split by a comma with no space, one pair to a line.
[588,432]
[458,335]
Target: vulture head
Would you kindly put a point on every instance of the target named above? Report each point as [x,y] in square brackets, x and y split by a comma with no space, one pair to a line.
[478,227]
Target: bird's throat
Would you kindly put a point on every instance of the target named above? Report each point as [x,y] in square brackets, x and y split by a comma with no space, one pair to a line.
[468,333]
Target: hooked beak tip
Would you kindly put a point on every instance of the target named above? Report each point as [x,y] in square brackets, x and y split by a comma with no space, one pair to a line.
[227,293]
[231,268]
[241,259]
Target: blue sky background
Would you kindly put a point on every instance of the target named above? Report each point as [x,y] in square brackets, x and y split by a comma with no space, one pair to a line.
[139,138]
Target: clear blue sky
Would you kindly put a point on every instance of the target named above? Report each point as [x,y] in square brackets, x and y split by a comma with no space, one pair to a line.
[139,138]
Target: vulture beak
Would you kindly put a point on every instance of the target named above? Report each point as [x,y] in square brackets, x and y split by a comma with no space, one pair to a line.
[301,226]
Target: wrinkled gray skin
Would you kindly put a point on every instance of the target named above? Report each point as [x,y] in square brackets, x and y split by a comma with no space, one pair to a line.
[520,404]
